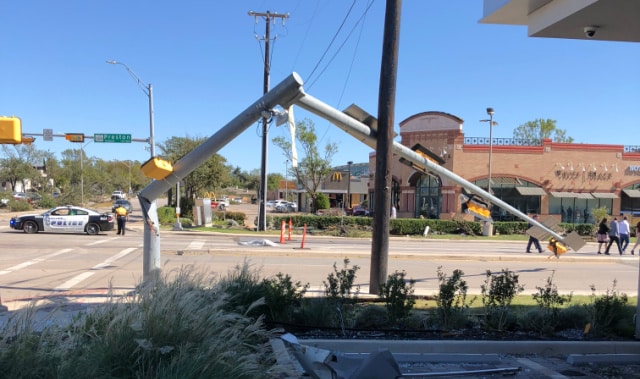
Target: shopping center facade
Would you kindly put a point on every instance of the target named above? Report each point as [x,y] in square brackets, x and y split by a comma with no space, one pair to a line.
[566,180]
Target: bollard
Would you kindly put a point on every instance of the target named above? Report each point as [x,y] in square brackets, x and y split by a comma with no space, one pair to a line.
[304,235]
[282,232]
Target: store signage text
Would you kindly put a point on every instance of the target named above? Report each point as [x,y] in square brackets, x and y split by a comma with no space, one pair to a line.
[584,175]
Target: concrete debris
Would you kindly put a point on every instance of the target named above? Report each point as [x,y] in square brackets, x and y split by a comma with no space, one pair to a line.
[262,242]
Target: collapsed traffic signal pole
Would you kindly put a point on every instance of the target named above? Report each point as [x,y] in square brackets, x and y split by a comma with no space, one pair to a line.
[286,93]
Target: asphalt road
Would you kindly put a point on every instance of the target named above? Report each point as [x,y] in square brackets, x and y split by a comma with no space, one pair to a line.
[78,269]
[43,264]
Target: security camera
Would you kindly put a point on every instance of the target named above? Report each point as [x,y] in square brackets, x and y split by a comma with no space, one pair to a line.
[590,31]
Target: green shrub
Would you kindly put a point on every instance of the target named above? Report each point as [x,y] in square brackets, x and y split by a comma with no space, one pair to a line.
[339,284]
[166,215]
[168,329]
[322,201]
[451,301]
[606,311]
[339,290]
[397,294]
[19,205]
[239,217]
[282,297]
[47,202]
[498,291]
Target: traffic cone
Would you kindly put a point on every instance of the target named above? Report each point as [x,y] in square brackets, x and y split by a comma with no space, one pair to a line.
[304,235]
[282,232]
[290,227]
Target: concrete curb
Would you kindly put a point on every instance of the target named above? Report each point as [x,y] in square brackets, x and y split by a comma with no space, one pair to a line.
[422,347]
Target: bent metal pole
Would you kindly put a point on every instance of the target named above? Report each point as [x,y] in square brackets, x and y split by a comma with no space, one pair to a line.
[366,135]
[284,94]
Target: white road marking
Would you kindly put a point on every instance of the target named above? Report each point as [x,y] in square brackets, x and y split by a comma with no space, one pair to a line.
[33,261]
[85,275]
[100,241]
[107,262]
[195,245]
[73,281]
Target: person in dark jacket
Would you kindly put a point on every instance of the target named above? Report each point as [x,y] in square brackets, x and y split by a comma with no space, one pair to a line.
[602,235]
[614,236]
[533,240]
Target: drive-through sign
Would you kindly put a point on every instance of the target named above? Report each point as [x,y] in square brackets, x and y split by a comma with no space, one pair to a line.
[114,138]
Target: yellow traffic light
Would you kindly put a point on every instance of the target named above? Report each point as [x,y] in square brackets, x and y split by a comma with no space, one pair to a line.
[10,130]
[156,168]
[27,140]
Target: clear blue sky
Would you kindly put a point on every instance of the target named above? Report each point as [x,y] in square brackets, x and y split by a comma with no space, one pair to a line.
[206,66]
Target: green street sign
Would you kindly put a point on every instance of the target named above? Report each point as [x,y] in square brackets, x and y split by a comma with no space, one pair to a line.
[114,138]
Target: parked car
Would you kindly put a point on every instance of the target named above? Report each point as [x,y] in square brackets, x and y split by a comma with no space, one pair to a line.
[20,196]
[118,195]
[286,206]
[64,219]
[222,203]
[359,210]
[125,203]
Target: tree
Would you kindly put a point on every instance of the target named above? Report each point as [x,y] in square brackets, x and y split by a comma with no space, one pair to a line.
[212,174]
[540,129]
[19,166]
[314,166]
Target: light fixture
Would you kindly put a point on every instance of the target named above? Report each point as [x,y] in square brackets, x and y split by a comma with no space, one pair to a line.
[605,167]
[594,167]
[570,166]
[583,167]
[616,165]
[281,115]
[561,166]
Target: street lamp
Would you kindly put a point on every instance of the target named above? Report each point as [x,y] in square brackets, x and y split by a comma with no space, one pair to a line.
[128,164]
[491,125]
[148,90]
[286,180]
[82,173]
[349,185]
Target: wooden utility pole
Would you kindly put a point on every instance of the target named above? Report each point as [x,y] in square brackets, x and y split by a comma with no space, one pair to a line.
[262,195]
[382,180]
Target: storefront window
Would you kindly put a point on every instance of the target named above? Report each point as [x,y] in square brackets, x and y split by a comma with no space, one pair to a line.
[510,191]
[428,197]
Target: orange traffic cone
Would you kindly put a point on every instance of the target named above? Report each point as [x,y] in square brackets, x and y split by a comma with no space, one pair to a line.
[304,235]
[282,232]
[290,227]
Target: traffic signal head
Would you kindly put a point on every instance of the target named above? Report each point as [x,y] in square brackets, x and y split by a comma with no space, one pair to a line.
[10,130]
[74,137]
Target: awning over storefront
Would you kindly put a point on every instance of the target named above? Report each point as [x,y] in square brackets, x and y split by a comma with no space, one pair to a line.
[604,195]
[531,191]
[572,195]
[632,192]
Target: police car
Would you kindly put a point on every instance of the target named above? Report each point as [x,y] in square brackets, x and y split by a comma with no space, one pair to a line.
[64,219]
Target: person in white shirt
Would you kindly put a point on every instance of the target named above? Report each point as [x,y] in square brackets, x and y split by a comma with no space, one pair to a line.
[624,232]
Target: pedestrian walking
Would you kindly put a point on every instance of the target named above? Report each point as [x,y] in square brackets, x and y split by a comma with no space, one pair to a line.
[637,237]
[121,217]
[624,231]
[602,235]
[533,240]
[614,236]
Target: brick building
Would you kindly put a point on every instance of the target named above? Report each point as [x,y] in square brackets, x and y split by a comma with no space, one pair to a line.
[567,180]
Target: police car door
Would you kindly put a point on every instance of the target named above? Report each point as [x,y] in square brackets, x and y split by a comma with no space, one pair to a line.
[56,221]
[77,220]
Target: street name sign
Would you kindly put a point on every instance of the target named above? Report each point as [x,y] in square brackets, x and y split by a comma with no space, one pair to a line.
[113,138]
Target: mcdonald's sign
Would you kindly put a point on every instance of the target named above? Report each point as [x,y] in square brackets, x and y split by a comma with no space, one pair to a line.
[336,176]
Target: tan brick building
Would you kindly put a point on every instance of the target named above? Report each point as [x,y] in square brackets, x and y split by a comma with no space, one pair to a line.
[563,179]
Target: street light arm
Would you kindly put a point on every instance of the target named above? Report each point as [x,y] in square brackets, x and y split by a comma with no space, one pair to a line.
[145,87]
[493,123]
